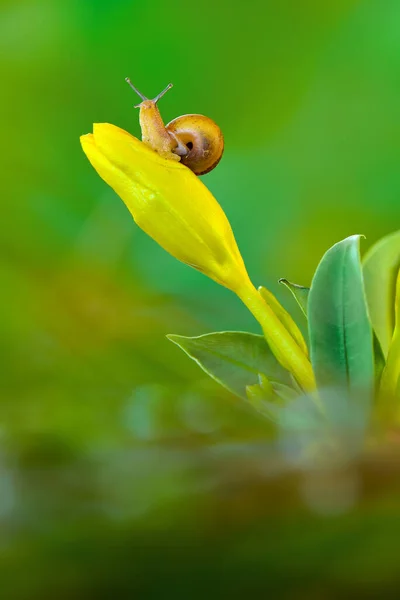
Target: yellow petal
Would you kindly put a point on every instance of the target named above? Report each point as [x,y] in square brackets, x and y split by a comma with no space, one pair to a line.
[391,373]
[284,317]
[168,202]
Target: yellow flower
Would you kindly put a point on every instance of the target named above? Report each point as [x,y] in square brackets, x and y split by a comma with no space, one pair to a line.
[167,201]
[174,207]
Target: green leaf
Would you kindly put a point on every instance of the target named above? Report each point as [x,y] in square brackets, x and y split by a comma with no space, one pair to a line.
[234,359]
[380,266]
[339,327]
[299,292]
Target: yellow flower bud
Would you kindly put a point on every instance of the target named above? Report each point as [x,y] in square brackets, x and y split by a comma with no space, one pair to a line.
[168,202]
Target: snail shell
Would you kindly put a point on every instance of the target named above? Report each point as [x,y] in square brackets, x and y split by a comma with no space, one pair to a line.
[200,142]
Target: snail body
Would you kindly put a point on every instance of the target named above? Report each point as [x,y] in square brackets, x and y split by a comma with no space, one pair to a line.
[195,140]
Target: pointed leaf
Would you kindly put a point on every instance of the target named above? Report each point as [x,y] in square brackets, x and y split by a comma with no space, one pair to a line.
[233,358]
[299,292]
[284,318]
[380,266]
[340,331]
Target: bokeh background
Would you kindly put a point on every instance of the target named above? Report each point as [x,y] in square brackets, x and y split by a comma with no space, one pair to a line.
[123,469]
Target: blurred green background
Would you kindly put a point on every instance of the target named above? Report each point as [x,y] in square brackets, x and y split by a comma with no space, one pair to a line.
[123,469]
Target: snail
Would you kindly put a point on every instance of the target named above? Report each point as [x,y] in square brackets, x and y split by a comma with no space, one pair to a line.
[195,140]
